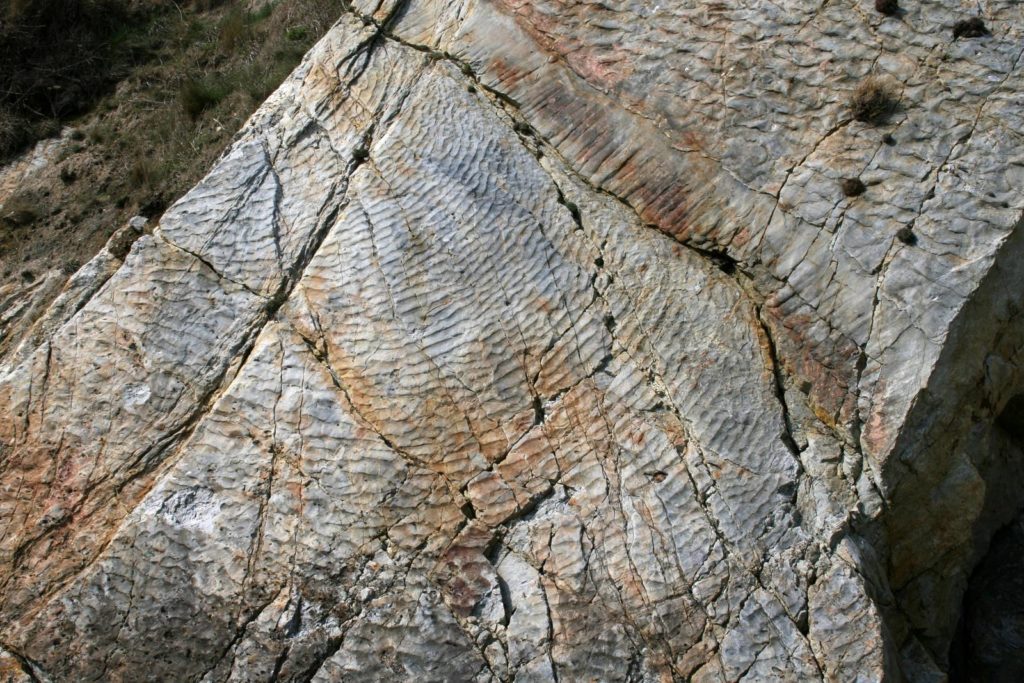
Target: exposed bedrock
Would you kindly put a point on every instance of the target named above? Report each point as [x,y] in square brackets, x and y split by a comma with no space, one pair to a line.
[540,341]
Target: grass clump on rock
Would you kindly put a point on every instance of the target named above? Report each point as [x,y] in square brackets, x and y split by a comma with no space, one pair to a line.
[970,28]
[852,187]
[873,100]
[887,7]
[906,235]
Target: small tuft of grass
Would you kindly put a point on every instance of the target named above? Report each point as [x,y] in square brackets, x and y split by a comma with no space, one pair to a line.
[852,187]
[296,33]
[873,100]
[906,235]
[969,28]
[100,133]
[145,171]
[887,7]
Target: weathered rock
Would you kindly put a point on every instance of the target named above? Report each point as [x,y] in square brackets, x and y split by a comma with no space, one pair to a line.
[524,341]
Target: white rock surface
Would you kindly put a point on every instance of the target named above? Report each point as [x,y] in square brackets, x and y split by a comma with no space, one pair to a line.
[537,341]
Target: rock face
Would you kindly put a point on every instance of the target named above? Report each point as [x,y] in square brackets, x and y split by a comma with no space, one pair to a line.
[539,341]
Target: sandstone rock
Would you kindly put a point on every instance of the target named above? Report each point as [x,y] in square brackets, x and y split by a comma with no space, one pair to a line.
[538,341]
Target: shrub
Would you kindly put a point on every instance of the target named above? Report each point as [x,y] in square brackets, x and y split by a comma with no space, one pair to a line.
[264,11]
[198,95]
[873,100]
[296,33]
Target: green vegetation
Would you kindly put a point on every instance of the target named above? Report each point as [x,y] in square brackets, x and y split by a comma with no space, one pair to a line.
[56,57]
[296,33]
[196,96]
[60,58]
[149,92]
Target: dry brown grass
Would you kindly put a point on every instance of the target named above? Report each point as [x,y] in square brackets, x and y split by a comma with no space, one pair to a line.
[19,210]
[873,100]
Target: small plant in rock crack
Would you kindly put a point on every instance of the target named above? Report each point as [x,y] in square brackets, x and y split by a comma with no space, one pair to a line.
[852,187]
[887,7]
[873,100]
[969,28]
[906,235]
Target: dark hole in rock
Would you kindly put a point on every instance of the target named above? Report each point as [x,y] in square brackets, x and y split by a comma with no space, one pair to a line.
[723,261]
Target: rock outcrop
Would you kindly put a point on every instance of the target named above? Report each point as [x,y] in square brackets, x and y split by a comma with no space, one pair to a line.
[539,341]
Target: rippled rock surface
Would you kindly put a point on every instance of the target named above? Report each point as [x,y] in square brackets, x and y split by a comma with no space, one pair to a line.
[540,341]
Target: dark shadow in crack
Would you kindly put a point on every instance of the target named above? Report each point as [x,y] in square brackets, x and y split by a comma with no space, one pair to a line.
[989,642]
